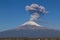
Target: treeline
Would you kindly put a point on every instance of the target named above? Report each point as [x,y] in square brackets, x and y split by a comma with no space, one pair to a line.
[29,38]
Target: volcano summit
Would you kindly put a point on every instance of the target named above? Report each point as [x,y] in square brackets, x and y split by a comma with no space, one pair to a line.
[30,25]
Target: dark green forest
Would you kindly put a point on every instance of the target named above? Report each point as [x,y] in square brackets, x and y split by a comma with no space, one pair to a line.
[29,38]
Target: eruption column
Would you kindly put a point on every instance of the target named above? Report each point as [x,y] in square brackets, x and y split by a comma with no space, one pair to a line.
[36,11]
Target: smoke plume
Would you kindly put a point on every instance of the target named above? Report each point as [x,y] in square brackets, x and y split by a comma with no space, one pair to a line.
[36,11]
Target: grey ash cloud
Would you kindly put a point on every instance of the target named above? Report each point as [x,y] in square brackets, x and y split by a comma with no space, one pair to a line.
[36,11]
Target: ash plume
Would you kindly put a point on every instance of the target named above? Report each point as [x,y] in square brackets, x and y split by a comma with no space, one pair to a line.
[36,11]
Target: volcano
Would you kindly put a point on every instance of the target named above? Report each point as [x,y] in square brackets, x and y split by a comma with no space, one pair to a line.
[30,29]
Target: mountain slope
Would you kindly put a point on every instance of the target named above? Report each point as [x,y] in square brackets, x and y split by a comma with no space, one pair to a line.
[32,30]
[41,32]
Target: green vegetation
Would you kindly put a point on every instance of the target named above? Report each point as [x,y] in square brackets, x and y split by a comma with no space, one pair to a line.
[29,38]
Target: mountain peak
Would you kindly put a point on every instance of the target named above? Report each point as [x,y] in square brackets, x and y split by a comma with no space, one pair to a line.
[31,23]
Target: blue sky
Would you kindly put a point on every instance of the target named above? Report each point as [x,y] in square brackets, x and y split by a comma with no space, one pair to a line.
[13,13]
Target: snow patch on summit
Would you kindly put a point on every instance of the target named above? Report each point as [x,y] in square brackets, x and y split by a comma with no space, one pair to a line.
[31,23]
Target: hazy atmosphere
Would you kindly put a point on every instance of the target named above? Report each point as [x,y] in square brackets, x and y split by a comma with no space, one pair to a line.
[13,13]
